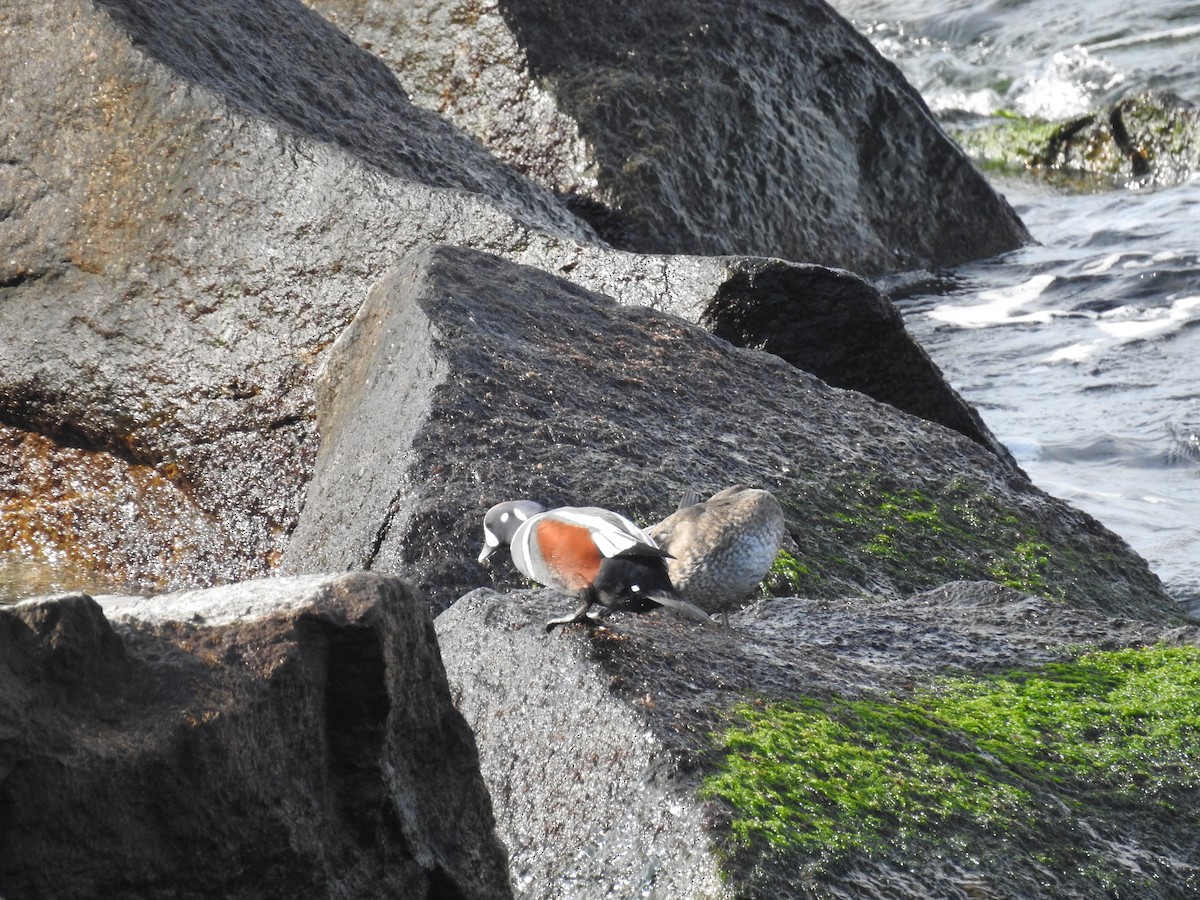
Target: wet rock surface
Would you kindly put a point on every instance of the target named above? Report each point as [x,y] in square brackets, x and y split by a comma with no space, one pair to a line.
[199,198]
[177,241]
[1145,140]
[260,310]
[764,128]
[555,739]
[292,737]
[621,721]
[794,310]
[466,380]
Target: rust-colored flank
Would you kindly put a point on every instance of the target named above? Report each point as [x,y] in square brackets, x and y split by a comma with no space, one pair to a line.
[569,551]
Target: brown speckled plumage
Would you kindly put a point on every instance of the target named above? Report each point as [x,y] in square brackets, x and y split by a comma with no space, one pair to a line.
[722,547]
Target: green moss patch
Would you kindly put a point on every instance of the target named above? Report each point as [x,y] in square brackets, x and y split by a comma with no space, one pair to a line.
[786,575]
[1110,734]
[1124,722]
[920,539]
[1144,139]
[1025,568]
[825,778]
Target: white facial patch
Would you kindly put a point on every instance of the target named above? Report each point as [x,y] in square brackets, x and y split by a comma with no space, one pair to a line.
[489,538]
[504,516]
[519,513]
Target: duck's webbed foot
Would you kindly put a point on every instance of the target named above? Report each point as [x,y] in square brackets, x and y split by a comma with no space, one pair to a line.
[580,615]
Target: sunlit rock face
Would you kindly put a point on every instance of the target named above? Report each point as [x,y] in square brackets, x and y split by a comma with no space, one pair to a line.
[180,210]
[261,309]
[860,747]
[200,197]
[763,128]
[466,380]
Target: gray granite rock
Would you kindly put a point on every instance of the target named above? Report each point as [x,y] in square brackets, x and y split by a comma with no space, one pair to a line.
[197,200]
[766,128]
[623,721]
[291,737]
[181,200]
[466,380]
[839,327]
[589,796]
[206,204]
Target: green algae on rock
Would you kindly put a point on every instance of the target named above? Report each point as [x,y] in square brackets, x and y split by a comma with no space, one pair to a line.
[784,575]
[860,702]
[1146,140]
[914,538]
[982,763]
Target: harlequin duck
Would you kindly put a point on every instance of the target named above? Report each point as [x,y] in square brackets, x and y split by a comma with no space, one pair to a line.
[593,554]
[721,547]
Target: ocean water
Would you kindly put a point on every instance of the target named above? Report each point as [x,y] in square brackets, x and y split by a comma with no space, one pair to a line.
[1082,353]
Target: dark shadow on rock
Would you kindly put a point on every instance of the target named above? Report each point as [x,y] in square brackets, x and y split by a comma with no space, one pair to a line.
[765,128]
[281,61]
[839,327]
[276,738]
[178,270]
[192,220]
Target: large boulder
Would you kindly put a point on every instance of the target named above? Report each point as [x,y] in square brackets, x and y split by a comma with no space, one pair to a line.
[837,326]
[465,380]
[184,183]
[208,203]
[198,198]
[968,741]
[767,128]
[286,738]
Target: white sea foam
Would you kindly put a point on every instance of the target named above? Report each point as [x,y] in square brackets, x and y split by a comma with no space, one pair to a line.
[1128,323]
[998,307]
[982,102]
[1075,353]
[1066,85]
[1164,256]
[1154,37]
[1100,266]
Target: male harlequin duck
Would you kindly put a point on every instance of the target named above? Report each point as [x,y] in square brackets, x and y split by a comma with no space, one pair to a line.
[593,554]
[721,547]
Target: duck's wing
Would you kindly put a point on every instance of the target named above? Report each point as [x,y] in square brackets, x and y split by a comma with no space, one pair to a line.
[613,534]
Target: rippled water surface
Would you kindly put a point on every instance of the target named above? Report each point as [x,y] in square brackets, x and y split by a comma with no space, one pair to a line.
[1082,353]
[24,575]
[1036,57]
